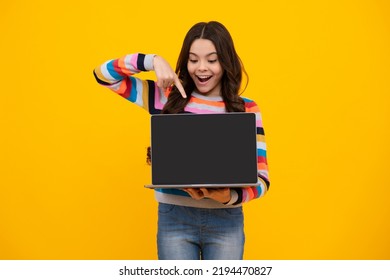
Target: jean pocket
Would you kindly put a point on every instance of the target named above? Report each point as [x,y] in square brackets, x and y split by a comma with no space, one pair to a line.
[237,211]
[164,208]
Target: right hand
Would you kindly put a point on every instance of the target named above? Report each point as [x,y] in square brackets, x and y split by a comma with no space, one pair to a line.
[166,77]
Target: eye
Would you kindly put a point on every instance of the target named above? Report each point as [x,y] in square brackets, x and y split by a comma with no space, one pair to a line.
[193,60]
[213,61]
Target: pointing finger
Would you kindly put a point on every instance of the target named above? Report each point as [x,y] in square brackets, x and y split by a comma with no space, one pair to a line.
[180,87]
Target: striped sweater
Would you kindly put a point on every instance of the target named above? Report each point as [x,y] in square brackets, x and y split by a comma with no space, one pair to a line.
[117,75]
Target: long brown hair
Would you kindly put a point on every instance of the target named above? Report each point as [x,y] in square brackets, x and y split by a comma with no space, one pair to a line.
[227,57]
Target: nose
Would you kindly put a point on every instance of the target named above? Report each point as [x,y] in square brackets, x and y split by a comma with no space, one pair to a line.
[202,65]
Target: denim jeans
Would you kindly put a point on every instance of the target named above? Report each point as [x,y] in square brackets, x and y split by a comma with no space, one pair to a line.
[188,233]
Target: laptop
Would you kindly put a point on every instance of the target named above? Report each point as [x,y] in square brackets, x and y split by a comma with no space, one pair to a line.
[203,150]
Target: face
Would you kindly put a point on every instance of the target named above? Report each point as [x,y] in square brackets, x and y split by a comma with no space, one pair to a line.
[204,67]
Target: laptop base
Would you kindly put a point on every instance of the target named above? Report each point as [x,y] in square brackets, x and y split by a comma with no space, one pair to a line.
[244,185]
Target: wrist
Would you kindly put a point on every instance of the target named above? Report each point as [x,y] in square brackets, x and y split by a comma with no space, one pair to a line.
[149,62]
[233,198]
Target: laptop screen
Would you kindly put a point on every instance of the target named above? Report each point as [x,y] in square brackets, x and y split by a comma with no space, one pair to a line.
[204,149]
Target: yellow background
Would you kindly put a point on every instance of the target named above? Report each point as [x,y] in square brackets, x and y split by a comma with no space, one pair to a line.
[72,154]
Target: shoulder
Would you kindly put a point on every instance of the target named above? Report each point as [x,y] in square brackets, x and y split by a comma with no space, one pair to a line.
[250,105]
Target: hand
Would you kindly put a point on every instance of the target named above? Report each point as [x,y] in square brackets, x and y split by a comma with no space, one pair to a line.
[218,194]
[166,76]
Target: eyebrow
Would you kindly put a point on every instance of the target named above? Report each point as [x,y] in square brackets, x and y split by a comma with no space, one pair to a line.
[206,54]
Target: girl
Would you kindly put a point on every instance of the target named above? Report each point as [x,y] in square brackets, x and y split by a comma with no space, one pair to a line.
[194,223]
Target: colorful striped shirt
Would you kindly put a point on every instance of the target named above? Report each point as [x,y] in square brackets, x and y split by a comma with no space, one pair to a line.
[117,75]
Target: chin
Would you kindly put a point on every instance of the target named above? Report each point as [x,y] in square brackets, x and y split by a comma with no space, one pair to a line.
[204,92]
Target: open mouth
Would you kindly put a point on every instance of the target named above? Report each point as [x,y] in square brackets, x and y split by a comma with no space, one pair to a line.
[203,79]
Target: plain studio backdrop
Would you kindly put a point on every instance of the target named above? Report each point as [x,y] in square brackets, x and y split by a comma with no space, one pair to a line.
[73,154]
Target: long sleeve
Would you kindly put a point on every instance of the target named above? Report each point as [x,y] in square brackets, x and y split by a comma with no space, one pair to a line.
[247,194]
[117,75]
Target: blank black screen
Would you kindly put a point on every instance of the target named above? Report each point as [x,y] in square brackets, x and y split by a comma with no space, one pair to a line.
[204,149]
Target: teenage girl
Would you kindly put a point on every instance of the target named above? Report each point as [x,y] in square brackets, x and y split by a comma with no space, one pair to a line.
[194,223]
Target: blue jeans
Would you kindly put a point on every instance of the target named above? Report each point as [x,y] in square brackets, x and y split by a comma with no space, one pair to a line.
[188,233]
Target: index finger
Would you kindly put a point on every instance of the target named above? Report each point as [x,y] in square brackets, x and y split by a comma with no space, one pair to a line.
[180,87]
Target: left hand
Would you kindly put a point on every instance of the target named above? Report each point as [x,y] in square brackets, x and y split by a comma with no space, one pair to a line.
[218,194]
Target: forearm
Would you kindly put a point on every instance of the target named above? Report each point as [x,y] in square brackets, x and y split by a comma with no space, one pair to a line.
[114,71]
